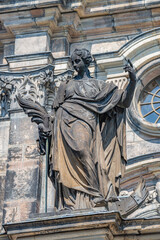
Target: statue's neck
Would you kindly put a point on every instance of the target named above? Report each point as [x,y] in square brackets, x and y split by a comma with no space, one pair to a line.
[83,75]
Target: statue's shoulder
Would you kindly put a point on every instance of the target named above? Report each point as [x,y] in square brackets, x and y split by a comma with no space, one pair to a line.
[106,86]
[100,83]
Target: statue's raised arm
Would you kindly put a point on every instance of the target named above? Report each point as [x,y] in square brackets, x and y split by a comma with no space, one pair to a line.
[129,91]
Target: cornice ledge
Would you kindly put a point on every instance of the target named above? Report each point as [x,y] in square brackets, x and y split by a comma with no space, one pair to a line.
[84,8]
[82,220]
[66,221]
[10,6]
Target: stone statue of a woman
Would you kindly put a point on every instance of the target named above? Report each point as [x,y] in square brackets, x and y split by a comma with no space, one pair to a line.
[87,154]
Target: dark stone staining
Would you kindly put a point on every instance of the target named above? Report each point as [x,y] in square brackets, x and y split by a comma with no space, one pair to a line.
[1,26]
[2,166]
[60,45]
[34,207]
[14,154]
[5,99]
[9,184]
[9,50]
[34,181]
[21,183]
[2,186]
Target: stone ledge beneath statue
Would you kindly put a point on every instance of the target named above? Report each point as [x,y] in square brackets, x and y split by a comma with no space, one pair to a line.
[95,225]
[67,225]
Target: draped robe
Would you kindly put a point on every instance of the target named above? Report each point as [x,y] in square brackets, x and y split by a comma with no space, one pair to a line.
[87,153]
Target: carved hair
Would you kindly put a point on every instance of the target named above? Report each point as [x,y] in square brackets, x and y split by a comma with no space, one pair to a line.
[84,54]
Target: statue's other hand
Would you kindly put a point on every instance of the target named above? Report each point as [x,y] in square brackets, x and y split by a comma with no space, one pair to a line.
[43,131]
[129,68]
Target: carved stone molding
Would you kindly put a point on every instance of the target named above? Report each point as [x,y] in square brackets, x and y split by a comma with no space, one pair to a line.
[38,85]
[27,84]
[120,82]
[6,87]
[84,225]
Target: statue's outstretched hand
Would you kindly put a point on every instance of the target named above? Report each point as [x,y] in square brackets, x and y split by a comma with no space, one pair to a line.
[129,68]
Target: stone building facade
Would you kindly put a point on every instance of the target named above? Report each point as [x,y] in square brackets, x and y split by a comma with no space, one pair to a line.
[36,40]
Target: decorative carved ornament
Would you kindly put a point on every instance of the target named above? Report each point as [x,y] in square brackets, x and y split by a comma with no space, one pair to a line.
[39,85]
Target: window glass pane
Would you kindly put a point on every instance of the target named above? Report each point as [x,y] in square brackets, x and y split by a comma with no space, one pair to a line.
[158,110]
[155,89]
[156,105]
[156,99]
[146,109]
[145,98]
[158,93]
[152,117]
[158,82]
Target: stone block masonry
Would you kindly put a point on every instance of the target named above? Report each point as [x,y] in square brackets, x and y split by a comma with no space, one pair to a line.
[22,190]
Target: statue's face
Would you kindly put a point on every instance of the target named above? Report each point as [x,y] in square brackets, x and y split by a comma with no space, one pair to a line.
[78,63]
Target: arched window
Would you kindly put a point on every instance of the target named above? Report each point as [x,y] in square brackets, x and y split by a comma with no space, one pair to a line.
[149,102]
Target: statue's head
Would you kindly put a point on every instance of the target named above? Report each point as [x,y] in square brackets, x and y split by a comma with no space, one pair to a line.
[81,59]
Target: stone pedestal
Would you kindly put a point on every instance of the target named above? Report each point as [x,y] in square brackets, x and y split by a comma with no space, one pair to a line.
[66,225]
[83,225]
